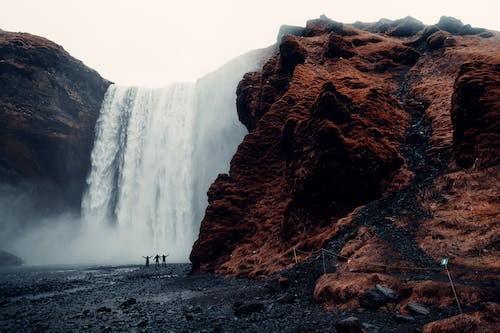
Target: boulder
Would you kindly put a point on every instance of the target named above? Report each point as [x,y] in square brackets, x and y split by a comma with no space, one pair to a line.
[440,39]
[246,308]
[128,303]
[349,325]
[450,24]
[418,309]
[405,27]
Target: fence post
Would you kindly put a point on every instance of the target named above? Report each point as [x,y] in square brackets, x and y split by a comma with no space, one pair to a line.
[444,262]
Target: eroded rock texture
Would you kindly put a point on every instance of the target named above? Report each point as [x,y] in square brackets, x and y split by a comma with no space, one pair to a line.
[379,143]
[49,103]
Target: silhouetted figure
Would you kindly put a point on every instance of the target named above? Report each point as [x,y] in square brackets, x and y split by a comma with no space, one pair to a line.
[157,260]
[163,259]
[147,259]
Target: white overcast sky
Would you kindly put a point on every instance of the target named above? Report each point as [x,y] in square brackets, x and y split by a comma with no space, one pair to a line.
[154,42]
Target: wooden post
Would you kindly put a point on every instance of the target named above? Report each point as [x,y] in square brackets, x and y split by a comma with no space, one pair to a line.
[453,288]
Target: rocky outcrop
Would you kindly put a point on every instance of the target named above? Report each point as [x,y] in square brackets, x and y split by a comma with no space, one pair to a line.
[324,139]
[358,139]
[8,259]
[475,115]
[49,103]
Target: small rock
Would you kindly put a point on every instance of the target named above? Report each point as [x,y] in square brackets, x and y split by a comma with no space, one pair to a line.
[487,34]
[189,316]
[240,308]
[349,325]
[417,309]
[374,299]
[127,303]
[143,323]
[386,291]
[287,299]
[103,309]
[194,309]
[369,328]
[404,319]
[283,282]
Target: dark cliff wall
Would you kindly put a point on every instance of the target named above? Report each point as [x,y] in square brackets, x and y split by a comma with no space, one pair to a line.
[362,140]
[49,103]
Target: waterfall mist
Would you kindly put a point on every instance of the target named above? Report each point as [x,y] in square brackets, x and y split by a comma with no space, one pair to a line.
[156,152]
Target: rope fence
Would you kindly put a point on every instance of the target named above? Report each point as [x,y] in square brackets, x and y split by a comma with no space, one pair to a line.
[321,253]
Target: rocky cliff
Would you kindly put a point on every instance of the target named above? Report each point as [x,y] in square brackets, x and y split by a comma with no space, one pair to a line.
[377,142]
[49,103]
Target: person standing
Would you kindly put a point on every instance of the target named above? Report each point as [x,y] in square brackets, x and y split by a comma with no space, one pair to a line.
[147,259]
[157,260]
[164,259]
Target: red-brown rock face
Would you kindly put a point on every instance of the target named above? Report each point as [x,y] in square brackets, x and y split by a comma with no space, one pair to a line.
[49,103]
[357,139]
[325,126]
[476,115]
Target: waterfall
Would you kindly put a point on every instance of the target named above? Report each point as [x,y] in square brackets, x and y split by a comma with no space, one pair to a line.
[155,154]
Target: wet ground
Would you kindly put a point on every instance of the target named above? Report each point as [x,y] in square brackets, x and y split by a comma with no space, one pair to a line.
[168,299]
[136,298]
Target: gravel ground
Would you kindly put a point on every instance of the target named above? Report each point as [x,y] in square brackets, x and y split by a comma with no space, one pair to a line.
[168,299]
[163,299]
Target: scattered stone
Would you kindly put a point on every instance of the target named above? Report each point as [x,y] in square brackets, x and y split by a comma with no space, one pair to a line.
[143,323]
[378,296]
[287,299]
[241,309]
[373,299]
[127,303]
[369,328]
[283,282]
[386,291]
[349,325]
[487,34]
[404,319]
[417,309]
[189,316]
[195,309]
[103,309]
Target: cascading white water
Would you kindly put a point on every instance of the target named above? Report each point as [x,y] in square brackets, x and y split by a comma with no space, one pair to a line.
[156,152]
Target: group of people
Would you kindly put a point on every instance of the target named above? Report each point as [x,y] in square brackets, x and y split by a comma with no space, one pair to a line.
[157,259]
